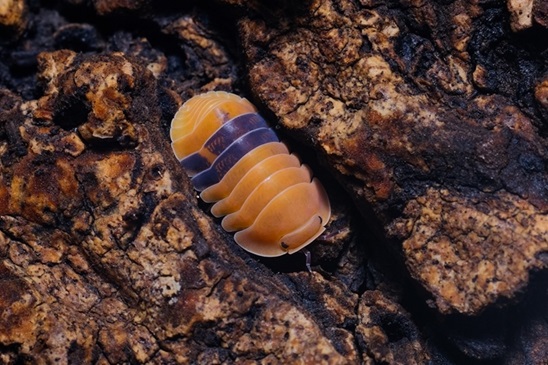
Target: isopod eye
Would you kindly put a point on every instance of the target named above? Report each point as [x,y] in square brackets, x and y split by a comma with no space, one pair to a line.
[237,161]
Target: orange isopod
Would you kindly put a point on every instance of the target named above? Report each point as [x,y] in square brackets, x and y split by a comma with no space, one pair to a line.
[236,161]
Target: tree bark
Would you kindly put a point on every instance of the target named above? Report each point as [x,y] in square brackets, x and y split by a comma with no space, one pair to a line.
[427,123]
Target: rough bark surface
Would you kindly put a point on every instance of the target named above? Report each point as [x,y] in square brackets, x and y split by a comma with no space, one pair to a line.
[433,116]
[413,113]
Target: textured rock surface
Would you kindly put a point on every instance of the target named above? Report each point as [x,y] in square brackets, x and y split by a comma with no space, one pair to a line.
[108,257]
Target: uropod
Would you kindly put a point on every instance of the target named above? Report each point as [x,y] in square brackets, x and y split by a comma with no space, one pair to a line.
[236,161]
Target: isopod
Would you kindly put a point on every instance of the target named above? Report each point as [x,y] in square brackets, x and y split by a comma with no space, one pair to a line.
[236,161]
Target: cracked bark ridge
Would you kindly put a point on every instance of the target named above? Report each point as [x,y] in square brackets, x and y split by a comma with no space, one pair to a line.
[104,256]
[206,56]
[440,247]
[392,97]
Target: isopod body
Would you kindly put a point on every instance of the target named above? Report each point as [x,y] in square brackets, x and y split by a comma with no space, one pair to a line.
[236,161]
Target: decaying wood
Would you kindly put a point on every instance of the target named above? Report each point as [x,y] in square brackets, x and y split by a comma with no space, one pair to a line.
[457,174]
[416,109]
